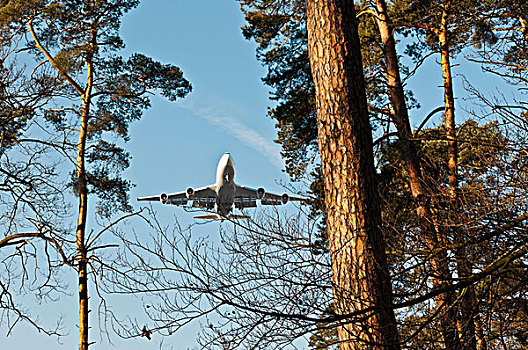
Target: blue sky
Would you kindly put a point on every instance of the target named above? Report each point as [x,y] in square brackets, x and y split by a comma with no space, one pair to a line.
[224,113]
[177,145]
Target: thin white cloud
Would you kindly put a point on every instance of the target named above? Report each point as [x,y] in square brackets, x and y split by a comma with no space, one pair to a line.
[222,114]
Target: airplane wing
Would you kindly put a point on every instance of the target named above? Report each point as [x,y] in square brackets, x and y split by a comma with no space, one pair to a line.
[247,197]
[201,197]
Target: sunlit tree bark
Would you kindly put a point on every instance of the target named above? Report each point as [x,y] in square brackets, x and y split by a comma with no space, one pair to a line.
[359,266]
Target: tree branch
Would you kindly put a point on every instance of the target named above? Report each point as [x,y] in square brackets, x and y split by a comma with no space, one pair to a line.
[70,80]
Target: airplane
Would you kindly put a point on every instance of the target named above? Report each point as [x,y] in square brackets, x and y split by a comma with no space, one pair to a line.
[222,195]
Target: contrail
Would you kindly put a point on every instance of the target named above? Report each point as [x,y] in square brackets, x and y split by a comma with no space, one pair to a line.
[221,115]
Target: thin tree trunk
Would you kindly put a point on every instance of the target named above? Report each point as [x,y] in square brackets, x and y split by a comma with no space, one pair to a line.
[82,258]
[397,99]
[436,237]
[360,276]
[82,254]
[467,305]
[449,102]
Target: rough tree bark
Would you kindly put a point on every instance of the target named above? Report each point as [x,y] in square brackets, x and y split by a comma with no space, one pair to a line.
[360,274]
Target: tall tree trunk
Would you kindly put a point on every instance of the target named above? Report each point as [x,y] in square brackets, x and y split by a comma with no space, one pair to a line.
[82,258]
[436,237]
[449,102]
[82,253]
[360,276]
[397,99]
[468,304]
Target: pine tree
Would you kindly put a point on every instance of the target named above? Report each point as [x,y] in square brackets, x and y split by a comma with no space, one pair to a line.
[79,40]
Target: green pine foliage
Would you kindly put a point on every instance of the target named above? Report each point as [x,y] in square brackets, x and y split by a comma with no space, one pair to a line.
[63,76]
[75,33]
[279,29]
[491,151]
[488,195]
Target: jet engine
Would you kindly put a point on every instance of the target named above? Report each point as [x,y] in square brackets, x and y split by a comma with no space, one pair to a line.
[260,193]
[285,198]
[164,198]
[190,193]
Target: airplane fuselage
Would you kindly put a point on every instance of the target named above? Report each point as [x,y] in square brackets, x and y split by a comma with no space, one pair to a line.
[225,185]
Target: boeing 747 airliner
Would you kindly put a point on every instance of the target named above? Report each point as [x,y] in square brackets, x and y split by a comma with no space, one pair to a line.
[223,195]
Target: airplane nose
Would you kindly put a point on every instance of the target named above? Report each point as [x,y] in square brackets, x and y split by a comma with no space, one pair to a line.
[228,159]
